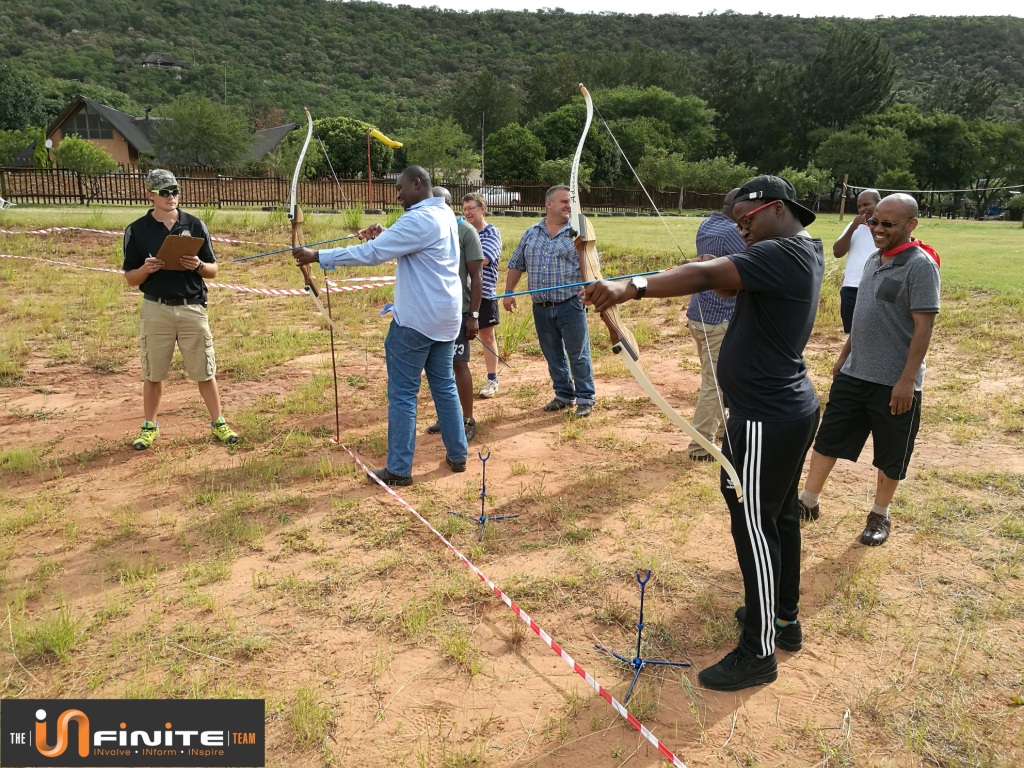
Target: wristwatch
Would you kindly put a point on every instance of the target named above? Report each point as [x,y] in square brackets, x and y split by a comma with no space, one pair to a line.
[640,283]
[199,267]
[475,315]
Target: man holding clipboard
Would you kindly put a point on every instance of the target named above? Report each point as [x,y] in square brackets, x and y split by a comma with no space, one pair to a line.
[167,254]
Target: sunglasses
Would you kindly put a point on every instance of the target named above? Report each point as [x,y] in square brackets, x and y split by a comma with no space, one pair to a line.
[166,192]
[885,224]
[744,221]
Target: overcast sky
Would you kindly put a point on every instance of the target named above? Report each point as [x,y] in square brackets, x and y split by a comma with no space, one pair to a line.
[866,9]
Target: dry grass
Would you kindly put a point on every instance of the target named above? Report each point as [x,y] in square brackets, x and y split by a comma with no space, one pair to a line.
[274,571]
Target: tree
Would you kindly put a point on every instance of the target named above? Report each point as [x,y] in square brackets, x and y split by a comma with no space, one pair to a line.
[484,104]
[553,172]
[1000,160]
[41,153]
[196,131]
[945,151]
[550,86]
[12,143]
[660,169]
[55,95]
[863,153]
[899,179]
[20,104]
[559,133]
[639,135]
[514,154]
[639,67]
[854,76]
[689,120]
[87,160]
[715,174]
[810,182]
[343,139]
[958,94]
[755,100]
[444,150]
[81,156]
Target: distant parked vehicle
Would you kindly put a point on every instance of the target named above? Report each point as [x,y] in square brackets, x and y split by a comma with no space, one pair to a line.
[499,195]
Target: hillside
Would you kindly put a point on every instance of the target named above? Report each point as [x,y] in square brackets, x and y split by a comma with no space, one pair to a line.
[393,66]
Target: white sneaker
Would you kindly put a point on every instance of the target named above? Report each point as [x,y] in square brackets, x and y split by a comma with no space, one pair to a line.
[490,388]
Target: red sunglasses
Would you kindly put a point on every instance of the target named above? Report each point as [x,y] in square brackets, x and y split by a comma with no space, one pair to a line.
[743,222]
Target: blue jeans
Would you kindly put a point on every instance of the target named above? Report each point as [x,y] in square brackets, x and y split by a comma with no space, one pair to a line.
[563,333]
[409,354]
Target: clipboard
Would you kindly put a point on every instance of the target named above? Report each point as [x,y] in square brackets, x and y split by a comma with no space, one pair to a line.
[176,246]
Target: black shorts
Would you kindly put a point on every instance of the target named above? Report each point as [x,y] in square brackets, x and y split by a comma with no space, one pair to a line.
[461,345]
[847,301]
[488,313]
[857,408]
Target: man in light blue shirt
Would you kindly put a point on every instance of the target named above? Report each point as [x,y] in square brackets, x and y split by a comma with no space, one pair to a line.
[426,317]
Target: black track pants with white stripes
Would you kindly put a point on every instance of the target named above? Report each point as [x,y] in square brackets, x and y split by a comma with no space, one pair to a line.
[769,457]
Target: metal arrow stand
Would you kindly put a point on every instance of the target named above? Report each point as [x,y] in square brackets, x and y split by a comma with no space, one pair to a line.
[483,519]
[638,662]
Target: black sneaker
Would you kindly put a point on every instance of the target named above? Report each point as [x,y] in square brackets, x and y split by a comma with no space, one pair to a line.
[470,429]
[876,531]
[584,410]
[788,638]
[738,670]
[808,514]
[456,466]
[557,405]
[434,428]
[389,478]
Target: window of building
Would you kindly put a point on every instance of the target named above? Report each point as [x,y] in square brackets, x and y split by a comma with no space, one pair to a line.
[89,125]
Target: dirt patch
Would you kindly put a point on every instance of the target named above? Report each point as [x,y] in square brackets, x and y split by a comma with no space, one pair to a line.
[195,570]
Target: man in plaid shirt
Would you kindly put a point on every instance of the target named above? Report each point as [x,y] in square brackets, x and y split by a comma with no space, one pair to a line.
[547,251]
[708,317]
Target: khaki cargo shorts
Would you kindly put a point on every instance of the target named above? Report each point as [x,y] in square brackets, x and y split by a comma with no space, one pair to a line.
[162,326]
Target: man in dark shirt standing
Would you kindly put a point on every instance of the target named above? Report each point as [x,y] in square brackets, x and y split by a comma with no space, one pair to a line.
[174,306]
[773,410]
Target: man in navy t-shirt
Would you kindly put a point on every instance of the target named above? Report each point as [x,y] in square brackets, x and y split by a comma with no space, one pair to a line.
[773,410]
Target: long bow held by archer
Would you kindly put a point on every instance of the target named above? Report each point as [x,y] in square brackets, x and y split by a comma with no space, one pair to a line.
[295,215]
[623,343]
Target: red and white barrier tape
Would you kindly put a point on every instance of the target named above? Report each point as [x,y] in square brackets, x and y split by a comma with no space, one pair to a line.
[572,663]
[55,230]
[332,288]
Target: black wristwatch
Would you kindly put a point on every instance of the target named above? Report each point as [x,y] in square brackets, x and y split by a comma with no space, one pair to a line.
[199,267]
[640,283]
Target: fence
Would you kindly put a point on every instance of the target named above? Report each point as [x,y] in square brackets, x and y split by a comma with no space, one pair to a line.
[62,187]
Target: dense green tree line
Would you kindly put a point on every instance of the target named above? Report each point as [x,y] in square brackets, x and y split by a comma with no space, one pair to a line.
[682,95]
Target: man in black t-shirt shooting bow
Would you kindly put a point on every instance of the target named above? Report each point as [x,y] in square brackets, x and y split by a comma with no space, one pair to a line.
[773,410]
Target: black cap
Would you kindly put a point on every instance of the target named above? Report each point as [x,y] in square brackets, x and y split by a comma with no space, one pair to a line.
[774,188]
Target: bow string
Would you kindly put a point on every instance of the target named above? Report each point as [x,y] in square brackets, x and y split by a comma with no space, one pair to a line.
[623,343]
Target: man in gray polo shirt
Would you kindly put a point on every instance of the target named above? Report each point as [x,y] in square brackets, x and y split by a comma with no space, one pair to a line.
[878,377]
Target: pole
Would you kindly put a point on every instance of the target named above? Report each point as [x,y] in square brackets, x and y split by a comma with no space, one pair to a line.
[842,203]
[483,173]
[369,173]
[225,81]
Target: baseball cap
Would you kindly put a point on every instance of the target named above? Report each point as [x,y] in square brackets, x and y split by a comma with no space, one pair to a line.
[158,179]
[775,188]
